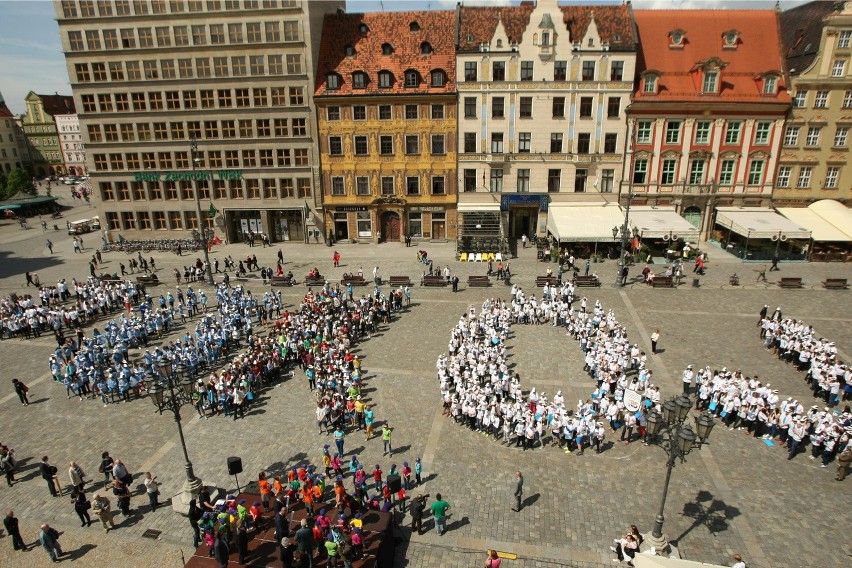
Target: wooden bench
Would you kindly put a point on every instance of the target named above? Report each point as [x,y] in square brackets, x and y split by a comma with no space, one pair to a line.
[280,281]
[146,280]
[397,281]
[478,282]
[790,283]
[586,281]
[355,280]
[662,282]
[540,281]
[434,281]
[315,281]
[835,284]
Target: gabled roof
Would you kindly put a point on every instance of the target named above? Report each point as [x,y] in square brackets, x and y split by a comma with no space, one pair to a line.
[478,24]
[4,110]
[758,51]
[340,30]
[801,33]
[58,104]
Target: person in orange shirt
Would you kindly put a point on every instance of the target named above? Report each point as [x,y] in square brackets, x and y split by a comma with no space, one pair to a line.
[276,485]
[308,498]
[265,492]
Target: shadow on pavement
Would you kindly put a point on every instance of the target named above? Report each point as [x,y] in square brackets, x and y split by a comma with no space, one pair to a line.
[713,514]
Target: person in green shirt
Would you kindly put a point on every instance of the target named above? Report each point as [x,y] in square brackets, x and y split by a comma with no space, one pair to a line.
[386,439]
[331,549]
[439,511]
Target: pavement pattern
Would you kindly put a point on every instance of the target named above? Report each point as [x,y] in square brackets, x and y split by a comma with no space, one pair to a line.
[735,495]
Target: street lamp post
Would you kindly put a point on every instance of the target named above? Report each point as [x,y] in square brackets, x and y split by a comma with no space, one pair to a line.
[179,393]
[203,232]
[625,234]
[667,430]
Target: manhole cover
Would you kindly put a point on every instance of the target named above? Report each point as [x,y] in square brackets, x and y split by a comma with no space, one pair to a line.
[152,533]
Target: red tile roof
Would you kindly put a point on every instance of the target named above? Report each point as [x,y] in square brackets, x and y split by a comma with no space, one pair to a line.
[758,51]
[478,24]
[801,33]
[58,104]
[4,110]
[339,30]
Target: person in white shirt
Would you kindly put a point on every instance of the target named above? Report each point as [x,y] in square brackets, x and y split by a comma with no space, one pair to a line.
[739,562]
[152,488]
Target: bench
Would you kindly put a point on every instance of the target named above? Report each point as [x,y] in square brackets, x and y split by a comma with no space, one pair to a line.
[280,281]
[478,282]
[835,284]
[354,280]
[315,281]
[540,281]
[586,281]
[397,281]
[147,280]
[662,282]
[790,283]
[434,281]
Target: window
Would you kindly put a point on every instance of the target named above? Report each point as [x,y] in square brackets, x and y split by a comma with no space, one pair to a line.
[291,31]
[276,65]
[412,79]
[640,170]
[359,80]
[667,175]
[359,112]
[335,146]
[412,185]
[761,133]
[821,99]
[558,107]
[337,187]
[831,177]
[362,185]
[470,180]
[415,223]
[607,180]
[783,177]
[838,68]
[386,145]
[199,35]
[791,136]
[438,146]
[253,32]
[523,181]
[800,99]
[732,132]
[524,142]
[470,142]
[560,70]
[497,107]
[526,70]
[110,39]
[496,185]
[294,64]
[217,34]
[847,99]
[297,96]
[412,144]
[470,107]
[702,132]
[470,71]
[616,71]
[554,179]
[361,146]
[643,131]
[438,185]
[588,71]
[437,111]
[439,78]
[813,136]
[804,180]
[272,31]
[585,107]
[128,40]
[385,79]
[843,39]
[755,172]
[696,172]
[82,72]
[770,85]
[387,183]
[411,112]
[526,107]
[580,176]
[385,112]
[332,113]
[673,132]
[610,143]
[332,81]
[496,142]
[75,40]
[840,136]
[498,71]
[555,142]
[711,82]
[726,172]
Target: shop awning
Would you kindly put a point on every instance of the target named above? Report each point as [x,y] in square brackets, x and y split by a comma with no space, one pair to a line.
[759,223]
[821,230]
[584,222]
[656,222]
[835,213]
[477,207]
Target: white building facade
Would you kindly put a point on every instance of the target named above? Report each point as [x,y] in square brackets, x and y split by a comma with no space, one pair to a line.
[71,142]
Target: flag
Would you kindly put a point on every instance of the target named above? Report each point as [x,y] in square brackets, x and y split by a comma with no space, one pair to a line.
[212,211]
[307,210]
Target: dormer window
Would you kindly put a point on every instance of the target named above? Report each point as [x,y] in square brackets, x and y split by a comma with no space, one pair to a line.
[545,39]
[499,43]
[730,39]
[439,78]
[385,79]
[349,50]
[412,79]
[332,81]
[770,84]
[676,39]
[414,27]
[426,48]
[650,86]
[591,42]
[387,49]
[710,85]
[363,29]
[359,80]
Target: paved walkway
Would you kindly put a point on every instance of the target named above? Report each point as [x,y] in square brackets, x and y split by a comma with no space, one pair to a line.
[736,495]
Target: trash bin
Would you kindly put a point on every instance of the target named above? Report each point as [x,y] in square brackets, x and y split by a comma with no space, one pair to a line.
[696,282]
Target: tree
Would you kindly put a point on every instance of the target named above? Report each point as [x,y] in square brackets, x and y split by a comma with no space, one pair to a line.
[2,186]
[19,180]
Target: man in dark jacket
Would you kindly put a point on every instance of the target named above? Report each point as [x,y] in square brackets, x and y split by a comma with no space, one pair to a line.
[48,473]
[11,524]
[221,551]
[304,538]
[417,506]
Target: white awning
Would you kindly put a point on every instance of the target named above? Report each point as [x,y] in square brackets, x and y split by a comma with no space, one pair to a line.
[474,207]
[758,223]
[656,222]
[835,213]
[584,222]
[821,229]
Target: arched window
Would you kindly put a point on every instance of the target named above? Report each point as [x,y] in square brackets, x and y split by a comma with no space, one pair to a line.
[414,27]
[426,48]
[385,79]
[363,29]
[349,50]
[439,78]
[332,81]
[387,49]
[412,78]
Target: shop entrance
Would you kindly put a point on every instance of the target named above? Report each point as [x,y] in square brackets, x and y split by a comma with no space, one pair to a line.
[522,221]
[341,227]
[390,226]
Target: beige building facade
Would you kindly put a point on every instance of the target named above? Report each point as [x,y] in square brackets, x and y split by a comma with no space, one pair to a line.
[183,95]
[10,157]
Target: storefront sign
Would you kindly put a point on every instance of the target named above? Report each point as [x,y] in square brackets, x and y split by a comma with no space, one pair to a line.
[197,175]
[351,208]
[426,209]
[540,201]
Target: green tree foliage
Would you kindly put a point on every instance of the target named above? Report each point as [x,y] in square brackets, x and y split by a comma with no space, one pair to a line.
[17,180]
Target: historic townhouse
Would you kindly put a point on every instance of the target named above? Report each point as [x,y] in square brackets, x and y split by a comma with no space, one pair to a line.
[176,96]
[10,157]
[386,108]
[542,93]
[707,117]
[40,129]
